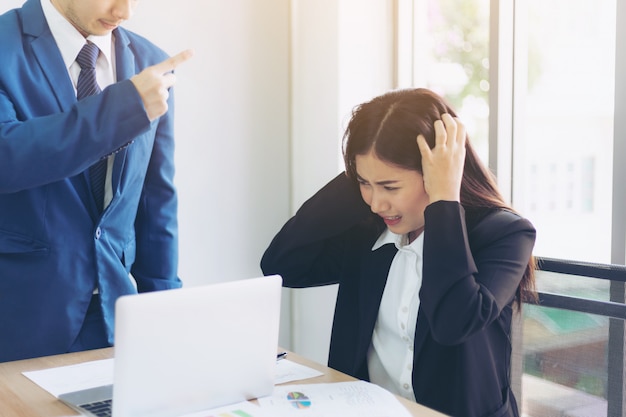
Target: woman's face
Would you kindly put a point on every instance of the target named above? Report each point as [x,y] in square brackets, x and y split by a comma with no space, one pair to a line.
[395,194]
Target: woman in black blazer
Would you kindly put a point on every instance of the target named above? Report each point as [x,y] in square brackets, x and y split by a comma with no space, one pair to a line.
[429,258]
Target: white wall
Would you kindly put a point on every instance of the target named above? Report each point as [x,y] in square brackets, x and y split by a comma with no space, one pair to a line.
[232,119]
[342,55]
[260,112]
[232,128]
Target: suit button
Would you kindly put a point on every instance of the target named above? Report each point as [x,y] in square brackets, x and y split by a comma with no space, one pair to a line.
[98,233]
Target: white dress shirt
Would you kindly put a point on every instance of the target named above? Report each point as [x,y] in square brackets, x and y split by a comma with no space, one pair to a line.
[390,357]
[70,42]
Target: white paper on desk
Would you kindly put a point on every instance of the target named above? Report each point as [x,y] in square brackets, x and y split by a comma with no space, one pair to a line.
[72,378]
[345,399]
[91,374]
[287,371]
[242,409]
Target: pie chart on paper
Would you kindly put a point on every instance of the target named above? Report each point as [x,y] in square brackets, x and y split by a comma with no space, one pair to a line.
[298,400]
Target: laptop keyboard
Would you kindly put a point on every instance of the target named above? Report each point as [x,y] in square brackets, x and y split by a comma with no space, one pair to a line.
[99,408]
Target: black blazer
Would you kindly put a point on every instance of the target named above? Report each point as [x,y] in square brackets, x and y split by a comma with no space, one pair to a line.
[473,262]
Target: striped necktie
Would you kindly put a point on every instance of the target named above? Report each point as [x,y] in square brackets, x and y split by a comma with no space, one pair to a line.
[87,86]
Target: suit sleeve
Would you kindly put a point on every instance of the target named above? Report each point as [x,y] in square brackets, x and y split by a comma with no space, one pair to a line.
[45,145]
[156,225]
[308,250]
[468,278]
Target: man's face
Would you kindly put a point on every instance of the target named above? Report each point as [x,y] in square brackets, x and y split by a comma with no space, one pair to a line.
[95,17]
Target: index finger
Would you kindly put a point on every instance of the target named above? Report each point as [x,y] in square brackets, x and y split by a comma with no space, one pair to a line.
[172,62]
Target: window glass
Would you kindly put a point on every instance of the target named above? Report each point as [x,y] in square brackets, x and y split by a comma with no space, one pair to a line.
[562,181]
[563,159]
[565,352]
[451,57]
[563,116]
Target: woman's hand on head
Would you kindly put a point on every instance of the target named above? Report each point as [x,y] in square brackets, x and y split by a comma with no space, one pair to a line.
[443,165]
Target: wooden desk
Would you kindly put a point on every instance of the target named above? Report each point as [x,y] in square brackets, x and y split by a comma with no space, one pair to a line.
[20,397]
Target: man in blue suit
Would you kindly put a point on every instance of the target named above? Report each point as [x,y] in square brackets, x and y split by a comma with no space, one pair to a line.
[64,260]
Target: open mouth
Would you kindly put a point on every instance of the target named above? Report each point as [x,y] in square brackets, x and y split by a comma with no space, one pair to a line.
[392,220]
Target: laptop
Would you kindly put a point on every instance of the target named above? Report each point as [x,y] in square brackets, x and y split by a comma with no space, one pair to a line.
[190,349]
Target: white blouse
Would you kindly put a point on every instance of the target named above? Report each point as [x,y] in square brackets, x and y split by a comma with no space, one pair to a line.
[390,357]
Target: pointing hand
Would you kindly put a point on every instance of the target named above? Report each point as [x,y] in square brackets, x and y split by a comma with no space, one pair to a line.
[153,83]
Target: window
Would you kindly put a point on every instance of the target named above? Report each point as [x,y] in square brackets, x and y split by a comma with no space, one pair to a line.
[562,179]
[539,84]
[564,96]
[444,46]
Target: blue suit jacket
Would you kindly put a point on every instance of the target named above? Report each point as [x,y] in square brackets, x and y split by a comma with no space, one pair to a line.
[55,247]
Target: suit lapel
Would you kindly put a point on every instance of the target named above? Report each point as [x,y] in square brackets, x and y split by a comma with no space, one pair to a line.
[125,68]
[52,76]
[125,65]
[47,54]
[53,67]
[373,279]
[421,331]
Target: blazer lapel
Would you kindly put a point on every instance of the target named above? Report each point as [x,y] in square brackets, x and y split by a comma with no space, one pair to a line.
[52,77]
[51,65]
[125,65]
[373,279]
[421,331]
[125,69]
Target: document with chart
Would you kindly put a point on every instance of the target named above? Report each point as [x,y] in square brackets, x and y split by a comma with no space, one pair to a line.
[345,399]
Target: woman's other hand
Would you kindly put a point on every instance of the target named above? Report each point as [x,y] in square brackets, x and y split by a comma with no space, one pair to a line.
[443,165]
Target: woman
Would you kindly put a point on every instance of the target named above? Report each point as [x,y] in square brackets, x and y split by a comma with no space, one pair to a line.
[429,259]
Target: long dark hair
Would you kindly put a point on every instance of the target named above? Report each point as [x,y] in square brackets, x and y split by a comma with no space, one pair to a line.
[389,125]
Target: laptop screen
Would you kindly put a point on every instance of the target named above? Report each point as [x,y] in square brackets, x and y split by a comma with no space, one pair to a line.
[189,349]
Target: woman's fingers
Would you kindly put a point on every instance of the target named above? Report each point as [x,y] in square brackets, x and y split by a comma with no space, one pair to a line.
[440,134]
[423,146]
[442,165]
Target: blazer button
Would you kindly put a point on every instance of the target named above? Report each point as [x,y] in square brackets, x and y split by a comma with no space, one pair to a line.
[98,233]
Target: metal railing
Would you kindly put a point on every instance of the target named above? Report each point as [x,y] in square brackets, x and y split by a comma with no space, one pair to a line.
[614,309]
[614,273]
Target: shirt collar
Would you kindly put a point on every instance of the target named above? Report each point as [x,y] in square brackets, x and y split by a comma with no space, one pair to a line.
[400,241]
[68,39]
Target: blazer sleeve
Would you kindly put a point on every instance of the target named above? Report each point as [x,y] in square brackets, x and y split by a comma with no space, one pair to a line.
[470,277]
[309,249]
[45,134]
[156,224]
[41,146]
